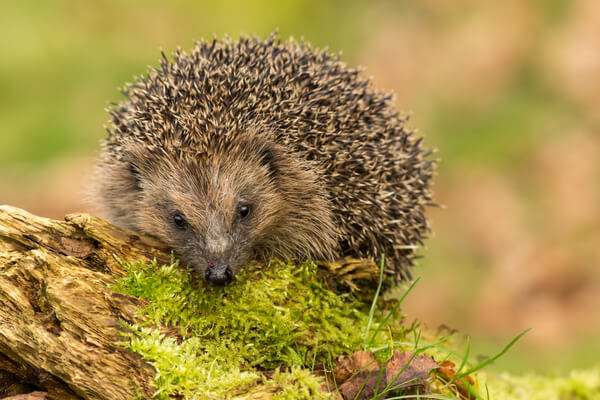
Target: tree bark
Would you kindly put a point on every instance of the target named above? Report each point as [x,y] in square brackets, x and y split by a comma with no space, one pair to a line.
[59,321]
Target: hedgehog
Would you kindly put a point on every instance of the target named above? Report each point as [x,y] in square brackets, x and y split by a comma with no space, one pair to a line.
[260,148]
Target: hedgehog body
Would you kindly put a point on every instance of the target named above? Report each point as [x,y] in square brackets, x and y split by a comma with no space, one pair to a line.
[258,148]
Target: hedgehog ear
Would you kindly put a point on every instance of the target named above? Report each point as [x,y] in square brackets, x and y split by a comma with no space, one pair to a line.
[137,162]
[268,156]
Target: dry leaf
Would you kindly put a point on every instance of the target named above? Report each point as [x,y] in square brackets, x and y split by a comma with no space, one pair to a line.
[447,371]
[401,371]
[415,373]
[348,365]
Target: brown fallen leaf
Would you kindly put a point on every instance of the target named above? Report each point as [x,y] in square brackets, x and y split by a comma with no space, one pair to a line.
[404,369]
[365,369]
[363,385]
[348,365]
[447,371]
[363,377]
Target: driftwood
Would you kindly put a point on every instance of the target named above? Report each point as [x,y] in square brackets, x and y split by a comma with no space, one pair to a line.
[59,322]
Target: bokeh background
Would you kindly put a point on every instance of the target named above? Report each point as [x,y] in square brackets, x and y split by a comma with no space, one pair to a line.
[507,91]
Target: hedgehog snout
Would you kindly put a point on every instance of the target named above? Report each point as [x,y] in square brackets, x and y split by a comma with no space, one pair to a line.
[218,274]
[218,252]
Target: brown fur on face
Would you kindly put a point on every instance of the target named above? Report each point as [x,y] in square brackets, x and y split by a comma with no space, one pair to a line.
[324,160]
[207,188]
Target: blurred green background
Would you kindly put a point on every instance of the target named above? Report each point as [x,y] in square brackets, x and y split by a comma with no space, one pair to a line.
[508,92]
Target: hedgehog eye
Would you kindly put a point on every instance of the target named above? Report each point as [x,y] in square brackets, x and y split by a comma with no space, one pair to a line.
[179,220]
[243,211]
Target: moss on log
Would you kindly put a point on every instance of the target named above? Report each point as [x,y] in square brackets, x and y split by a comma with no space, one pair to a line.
[59,321]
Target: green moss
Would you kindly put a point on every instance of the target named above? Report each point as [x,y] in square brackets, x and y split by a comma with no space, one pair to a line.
[213,343]
[578,385]
[298,383]
[187,367]
[269,316]
[278,315]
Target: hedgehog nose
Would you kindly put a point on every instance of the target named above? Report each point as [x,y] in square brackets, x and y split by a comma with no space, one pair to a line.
[218,274]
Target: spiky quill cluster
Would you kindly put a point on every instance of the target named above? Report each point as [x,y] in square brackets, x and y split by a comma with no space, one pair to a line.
[354,179]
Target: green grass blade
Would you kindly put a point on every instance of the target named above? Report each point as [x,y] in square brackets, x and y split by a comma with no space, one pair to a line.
[374,304]
[392,311]
[492,359]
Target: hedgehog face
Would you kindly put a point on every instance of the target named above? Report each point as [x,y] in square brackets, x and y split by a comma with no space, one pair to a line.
[214,237]
[218,204]
[213,212]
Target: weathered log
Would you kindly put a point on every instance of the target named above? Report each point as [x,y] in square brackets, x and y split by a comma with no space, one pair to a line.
[37,395]
[29,396]
[60,322]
